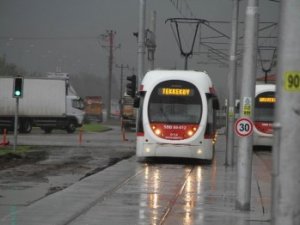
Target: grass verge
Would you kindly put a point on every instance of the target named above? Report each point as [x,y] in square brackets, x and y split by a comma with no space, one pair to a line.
[20,150]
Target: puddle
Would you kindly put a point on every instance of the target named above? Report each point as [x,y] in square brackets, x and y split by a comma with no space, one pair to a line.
[22,194]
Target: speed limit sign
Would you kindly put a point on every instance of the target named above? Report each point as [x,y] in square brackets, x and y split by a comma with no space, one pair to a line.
[243,127]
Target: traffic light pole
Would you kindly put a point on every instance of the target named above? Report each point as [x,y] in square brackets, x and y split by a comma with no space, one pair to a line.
[17,93]
[16,124]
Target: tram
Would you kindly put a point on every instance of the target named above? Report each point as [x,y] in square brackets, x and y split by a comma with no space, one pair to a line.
[264,114]
[176,115]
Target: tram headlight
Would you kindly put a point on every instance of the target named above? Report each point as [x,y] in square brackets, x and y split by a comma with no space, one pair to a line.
[190,133]
[157,132]
[199,151]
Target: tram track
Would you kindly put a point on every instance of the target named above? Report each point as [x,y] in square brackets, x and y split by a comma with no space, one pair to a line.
[265,160]
[148,169]
[172,202]
[266,157]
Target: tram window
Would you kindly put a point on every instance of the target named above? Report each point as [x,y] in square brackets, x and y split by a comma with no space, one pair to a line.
[264,107]
[177,108]
[176,113]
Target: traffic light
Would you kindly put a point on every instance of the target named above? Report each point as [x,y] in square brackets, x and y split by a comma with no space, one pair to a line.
[131,86]
[18,87]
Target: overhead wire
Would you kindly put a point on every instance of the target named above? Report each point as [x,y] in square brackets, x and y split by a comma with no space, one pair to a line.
[207,24]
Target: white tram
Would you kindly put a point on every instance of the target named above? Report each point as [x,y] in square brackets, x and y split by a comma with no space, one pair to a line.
[264,114]
[176,115]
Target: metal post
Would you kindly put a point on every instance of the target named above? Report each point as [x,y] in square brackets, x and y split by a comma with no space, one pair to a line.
[16,124]
[229,158]
[286,177]
[141,41]
[153,30]
[121,82]
[244,161]
[110,62]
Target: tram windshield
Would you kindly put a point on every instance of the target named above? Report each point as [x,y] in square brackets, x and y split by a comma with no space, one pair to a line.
[264,107]
[176,102]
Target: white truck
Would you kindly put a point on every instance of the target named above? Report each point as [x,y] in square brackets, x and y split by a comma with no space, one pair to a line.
[46,103]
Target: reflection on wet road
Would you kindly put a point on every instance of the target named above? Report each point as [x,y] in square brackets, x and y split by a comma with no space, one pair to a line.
[176,193]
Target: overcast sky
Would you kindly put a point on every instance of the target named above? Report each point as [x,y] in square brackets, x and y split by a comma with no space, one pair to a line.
[41,35]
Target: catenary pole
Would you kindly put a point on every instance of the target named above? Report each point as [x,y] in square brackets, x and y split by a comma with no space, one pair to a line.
[141,41]
[244,160]
[110,63]
[152,46]
[229,158]
[286,148]
[110,35]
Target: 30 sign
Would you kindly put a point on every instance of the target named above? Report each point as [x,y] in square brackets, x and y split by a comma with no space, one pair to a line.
[243,127]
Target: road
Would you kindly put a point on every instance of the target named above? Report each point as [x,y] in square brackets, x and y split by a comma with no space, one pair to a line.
[156,192]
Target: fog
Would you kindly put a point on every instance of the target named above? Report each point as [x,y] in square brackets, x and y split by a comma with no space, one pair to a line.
[70,36]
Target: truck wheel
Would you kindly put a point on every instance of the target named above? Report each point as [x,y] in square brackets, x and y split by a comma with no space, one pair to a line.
[26,126]
[47,130]
[71,127]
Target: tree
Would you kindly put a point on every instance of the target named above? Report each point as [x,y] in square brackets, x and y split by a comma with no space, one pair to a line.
[9,69]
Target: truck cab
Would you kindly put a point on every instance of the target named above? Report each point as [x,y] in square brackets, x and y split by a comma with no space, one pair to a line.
[75,111]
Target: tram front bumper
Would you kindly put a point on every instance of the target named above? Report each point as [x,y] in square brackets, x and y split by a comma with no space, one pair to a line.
[175,150]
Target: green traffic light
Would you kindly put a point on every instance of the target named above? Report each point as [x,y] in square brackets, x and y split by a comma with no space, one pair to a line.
[18,87]
[17,93]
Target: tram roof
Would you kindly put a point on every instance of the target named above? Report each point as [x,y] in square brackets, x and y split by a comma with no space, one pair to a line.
[259,88]
[196,77]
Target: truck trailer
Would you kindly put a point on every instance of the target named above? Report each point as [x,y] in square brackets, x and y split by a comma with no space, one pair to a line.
[46,103]
[93,108]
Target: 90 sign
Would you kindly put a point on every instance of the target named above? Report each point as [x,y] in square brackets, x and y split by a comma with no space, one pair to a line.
[292,81]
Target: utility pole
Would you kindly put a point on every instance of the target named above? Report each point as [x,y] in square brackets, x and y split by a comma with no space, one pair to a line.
[229,158]
[286,155]
[110,35]
[141,41]
[151,40]
[244,160]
